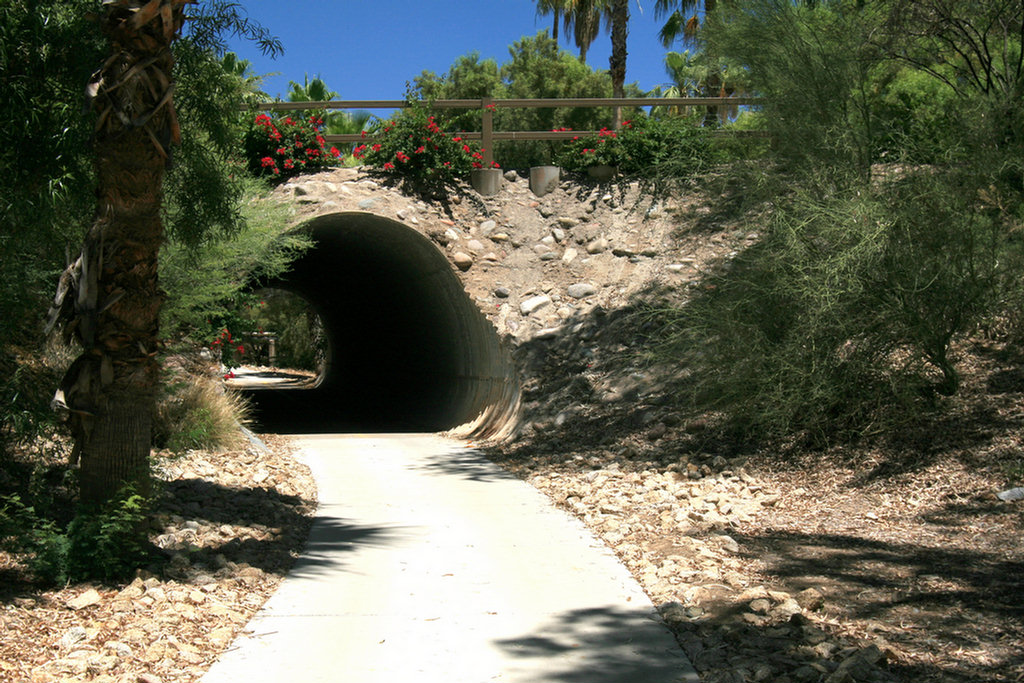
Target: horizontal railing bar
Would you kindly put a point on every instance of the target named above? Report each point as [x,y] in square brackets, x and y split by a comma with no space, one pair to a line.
[519,103]
[529,135]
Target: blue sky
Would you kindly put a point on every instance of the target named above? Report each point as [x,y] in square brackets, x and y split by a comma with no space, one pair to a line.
[369,49]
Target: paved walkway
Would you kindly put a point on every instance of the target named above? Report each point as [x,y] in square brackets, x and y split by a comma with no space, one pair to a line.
[428,563]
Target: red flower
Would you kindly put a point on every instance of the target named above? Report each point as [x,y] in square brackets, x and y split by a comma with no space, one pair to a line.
[388,166]
[335,152]
[288,163]
[266,161]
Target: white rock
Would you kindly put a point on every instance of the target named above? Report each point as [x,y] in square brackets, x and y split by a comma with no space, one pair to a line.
[534,303]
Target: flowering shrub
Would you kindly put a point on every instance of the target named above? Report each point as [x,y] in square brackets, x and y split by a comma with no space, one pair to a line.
[231,351]
[281,148]
[413,148]
[605,148]
[641,147]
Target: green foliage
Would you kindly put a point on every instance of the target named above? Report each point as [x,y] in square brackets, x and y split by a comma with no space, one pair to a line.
[413,149]
[812,66]
[297,328]
[644,146]
[47,52]
[279,148]
[105,543]
[845,313]
[208,286]
[537,68]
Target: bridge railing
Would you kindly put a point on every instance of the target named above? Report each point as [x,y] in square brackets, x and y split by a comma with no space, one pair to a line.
[487,105]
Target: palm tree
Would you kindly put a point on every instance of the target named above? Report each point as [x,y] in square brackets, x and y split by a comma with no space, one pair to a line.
[618,17]
[680,22]
[335,123]
[678,25]
[583,18]
[109,299]
[555,8]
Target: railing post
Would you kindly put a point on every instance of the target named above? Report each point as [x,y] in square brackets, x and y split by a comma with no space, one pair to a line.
[487,134]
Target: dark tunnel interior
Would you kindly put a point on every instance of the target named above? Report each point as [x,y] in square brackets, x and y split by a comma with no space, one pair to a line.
[408,350]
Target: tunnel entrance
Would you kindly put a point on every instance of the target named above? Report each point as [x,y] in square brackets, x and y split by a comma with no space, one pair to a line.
[407,349]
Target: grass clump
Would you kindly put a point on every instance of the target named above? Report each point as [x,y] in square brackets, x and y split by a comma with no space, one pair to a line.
[199,413]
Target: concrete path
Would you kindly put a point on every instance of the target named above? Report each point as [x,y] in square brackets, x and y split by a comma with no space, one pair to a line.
[428,563]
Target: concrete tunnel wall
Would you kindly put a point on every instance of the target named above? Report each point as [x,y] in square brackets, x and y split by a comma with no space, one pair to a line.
[408,348]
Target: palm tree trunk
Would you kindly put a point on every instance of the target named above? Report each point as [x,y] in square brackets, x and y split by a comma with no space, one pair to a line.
[617,60]
[110,298]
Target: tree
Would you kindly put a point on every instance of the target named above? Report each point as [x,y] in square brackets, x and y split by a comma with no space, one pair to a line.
[584,18]
[555,8]
[109,299]
[618,16]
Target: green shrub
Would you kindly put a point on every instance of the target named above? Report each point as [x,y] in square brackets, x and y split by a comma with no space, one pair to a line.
[414,149]
[105,543]
[844,315]
[643,147]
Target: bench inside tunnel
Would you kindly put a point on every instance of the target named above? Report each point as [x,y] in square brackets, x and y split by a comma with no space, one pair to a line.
[408,350]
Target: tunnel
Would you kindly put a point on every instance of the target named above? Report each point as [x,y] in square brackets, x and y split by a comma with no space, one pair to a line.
[407,349]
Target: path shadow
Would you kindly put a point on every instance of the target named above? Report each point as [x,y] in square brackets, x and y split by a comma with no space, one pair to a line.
[602,645]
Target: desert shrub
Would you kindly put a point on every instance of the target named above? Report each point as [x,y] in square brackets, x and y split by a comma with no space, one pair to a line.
[198,413]
[844,314]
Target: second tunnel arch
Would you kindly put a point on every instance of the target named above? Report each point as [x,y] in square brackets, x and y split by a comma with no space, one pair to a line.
[408,348]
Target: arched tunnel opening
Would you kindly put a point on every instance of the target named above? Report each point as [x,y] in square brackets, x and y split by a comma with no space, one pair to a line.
[407,349]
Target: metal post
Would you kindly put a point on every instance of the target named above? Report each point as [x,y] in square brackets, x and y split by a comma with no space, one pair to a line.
[487,136]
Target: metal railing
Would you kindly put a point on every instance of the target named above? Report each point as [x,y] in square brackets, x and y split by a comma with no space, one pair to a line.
[487,106]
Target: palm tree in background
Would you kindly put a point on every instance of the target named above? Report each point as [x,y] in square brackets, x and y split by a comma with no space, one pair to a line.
[584,20]
[335,123]
[684,22]
[555,8]
[618,17]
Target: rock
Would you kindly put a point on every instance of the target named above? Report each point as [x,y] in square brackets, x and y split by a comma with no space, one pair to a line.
[149,678]
[569,255]
[86,599]
[760,606]
[548,256]
[810,599]
[534,303]
[786,609]
[567,222]
[502,292]
[487,226]
[1011,494]
[581,290]
[462,260]
[511,176]
[558,235]
[367,204]
[597,246]
[546,211]
[72,637]
[475,245]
